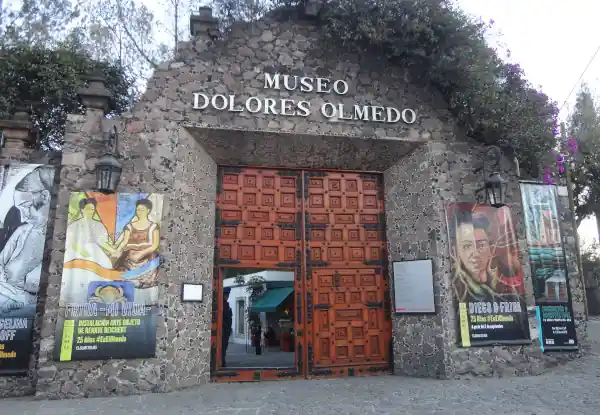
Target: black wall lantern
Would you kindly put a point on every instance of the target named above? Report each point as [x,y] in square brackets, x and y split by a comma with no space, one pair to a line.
[494,185]
[108,167]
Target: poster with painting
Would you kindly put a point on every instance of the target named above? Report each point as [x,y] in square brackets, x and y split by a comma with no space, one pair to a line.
[556,324]
[109,290]
[487,277]
[25,196]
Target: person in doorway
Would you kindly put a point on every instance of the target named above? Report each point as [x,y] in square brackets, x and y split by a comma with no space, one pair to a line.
[227,323]
[257,336]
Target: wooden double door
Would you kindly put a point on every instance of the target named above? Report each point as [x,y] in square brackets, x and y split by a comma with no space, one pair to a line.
[329,228]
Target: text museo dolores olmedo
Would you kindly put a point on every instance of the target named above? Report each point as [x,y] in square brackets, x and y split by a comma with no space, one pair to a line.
[302,108]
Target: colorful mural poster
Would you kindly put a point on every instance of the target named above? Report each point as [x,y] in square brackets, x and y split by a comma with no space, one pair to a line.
[554,311]
[25,195]
[109,291]
[487,277]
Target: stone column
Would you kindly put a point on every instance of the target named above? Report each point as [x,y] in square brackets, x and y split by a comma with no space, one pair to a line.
[19,140]
[83,134]
[83,143]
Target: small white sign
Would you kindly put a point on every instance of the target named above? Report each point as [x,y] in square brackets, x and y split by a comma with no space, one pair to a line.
[192,292]
[413,287]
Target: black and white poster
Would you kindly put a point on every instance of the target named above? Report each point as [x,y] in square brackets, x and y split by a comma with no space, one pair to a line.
[25,195]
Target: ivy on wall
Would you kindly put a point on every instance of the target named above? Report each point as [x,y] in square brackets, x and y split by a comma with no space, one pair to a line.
[443,47]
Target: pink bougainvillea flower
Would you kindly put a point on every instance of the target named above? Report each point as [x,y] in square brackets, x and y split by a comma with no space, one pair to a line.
[548,176]
[573,146]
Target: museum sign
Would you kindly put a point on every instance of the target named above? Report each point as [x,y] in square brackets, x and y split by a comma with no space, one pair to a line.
[303,108]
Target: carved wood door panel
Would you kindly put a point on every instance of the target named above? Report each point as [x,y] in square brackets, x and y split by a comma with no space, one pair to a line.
[258,217]
[349,321]
[346,271]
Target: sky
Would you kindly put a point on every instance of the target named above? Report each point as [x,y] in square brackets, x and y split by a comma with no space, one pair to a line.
[553,41]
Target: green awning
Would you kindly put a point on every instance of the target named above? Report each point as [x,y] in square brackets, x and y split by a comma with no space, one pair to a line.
[271,299]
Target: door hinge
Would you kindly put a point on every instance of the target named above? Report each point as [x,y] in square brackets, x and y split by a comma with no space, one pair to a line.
[309,307]
[219,183]
[214,306]
[289,173]
[322,372]
[288,374]
[298,226]
[299,308]
[300,354]
[228,374]
[387,302]
[310,358]
[228,261]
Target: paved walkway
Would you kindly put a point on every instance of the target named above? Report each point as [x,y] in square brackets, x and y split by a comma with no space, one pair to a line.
[575,390]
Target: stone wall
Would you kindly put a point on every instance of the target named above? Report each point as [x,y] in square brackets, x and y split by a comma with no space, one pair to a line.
[414,230]
[458,183]
[15,152]
[161,157]
[236,66]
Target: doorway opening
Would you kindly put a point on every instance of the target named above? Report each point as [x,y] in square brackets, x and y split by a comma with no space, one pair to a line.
[258,319]
[300,283]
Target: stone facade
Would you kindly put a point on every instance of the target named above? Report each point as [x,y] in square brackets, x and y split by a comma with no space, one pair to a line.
[170,148]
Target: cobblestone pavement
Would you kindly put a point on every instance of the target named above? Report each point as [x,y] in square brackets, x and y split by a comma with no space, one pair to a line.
[573,389]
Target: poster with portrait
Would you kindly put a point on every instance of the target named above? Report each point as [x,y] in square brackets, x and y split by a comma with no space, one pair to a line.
[109,290]
[487,277]
[554,311]
[25,196]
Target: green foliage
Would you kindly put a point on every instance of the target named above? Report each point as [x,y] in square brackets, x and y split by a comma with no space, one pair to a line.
[441,46]
[584,126]
[35,22]
[46,80]
[254,285]
[590,260]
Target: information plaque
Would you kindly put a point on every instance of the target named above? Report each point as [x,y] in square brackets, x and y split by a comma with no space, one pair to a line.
[413,287]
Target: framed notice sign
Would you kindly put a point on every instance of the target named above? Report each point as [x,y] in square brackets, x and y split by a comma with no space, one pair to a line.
[413,287]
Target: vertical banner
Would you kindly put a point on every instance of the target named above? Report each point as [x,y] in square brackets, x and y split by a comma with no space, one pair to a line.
[109,290]
[487,277]
[25,195]
[548,267]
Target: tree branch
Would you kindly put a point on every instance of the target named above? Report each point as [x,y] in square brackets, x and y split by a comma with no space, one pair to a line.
[130,36]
